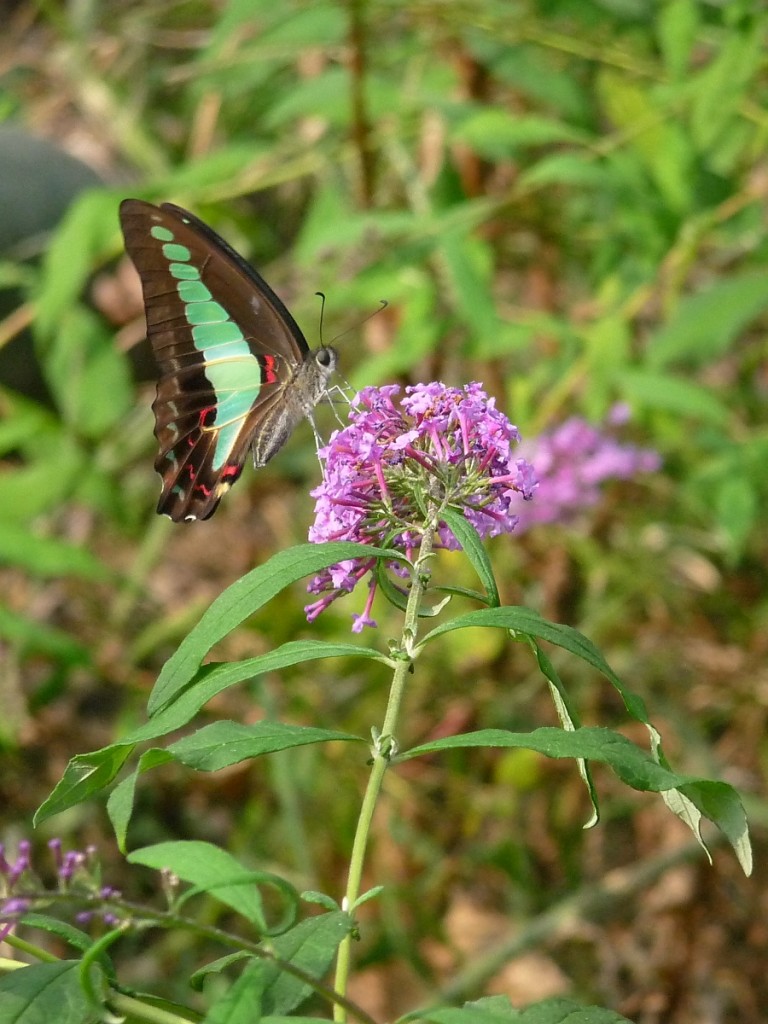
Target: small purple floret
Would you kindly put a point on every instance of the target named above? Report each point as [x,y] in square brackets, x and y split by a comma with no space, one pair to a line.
[77,873]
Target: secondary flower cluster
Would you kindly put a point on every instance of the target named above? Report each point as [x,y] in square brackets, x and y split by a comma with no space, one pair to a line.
[76,873]
[390,473]
[573,461]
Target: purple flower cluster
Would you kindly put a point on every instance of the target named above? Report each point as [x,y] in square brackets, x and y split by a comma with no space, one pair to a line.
[12,875]
[390,473]
[573,461]
[76,872]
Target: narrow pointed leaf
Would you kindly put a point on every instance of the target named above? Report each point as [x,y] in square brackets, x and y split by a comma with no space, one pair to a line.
[222,744]
[241,1003]
[211,869]
[45,992]
[717,801]
[241,600]
[85,775]
[530,623]
[310,946]
[473,547]
[569,719]
[209,680]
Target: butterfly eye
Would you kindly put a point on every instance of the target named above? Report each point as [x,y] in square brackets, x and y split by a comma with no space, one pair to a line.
[325,357]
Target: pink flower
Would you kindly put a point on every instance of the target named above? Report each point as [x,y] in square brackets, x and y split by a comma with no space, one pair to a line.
[397,465]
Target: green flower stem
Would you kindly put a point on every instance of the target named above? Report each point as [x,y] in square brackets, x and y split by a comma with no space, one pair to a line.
[384,749]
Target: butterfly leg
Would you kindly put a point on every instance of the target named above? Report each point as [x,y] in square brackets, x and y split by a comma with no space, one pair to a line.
[346,394]
[319,443]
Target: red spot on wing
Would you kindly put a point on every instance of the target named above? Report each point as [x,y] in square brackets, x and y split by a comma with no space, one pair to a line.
[231,472]
[268,364]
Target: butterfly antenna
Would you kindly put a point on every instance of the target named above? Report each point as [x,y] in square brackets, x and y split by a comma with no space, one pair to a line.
[347,386]
[346,391]
[382,306]
[322,315]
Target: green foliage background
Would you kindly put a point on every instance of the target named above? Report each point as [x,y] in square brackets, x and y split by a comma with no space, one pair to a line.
[565,200]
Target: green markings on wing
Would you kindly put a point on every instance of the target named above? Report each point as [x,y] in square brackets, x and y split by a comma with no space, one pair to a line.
[232,369]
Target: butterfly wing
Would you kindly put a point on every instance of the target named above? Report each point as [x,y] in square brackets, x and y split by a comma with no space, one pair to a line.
[226,347]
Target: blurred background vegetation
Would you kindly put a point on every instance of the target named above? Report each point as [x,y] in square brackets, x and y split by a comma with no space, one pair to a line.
[564,199]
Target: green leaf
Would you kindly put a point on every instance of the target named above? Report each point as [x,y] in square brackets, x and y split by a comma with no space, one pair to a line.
[46,992]
[370,894]
[662,148]
[467,592]
[738,511]
[211,679]
[473,547]
[715,800]
[569,719]
[579,170]
[721,87]
[496,133]
[468,264]
[281,1018]
[45,483]
[307,26]
[121,799]
[320,898]
[241,600]
[64,931]
[222,744]
[211,869]
[197,979]
[207,172]
[46,557]
[672,394]
[720,803]
[241,1004]
[84,234]
[325,95]
[731,821]
[88,774]
[634,766]
[705,325]
[499,1010]
[105,389]
[311,946]
[677,27]
[390,589]
[85,776]
[392,592]
[25,426]
[87,375]
[530,623]
[209,749]
[39,638]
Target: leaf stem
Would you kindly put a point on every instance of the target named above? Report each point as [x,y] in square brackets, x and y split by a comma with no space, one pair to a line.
[384,748]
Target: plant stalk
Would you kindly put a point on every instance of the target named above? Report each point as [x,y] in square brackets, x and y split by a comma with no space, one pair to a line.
[383,751]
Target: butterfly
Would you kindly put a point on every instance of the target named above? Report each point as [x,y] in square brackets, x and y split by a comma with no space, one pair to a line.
[236,373]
